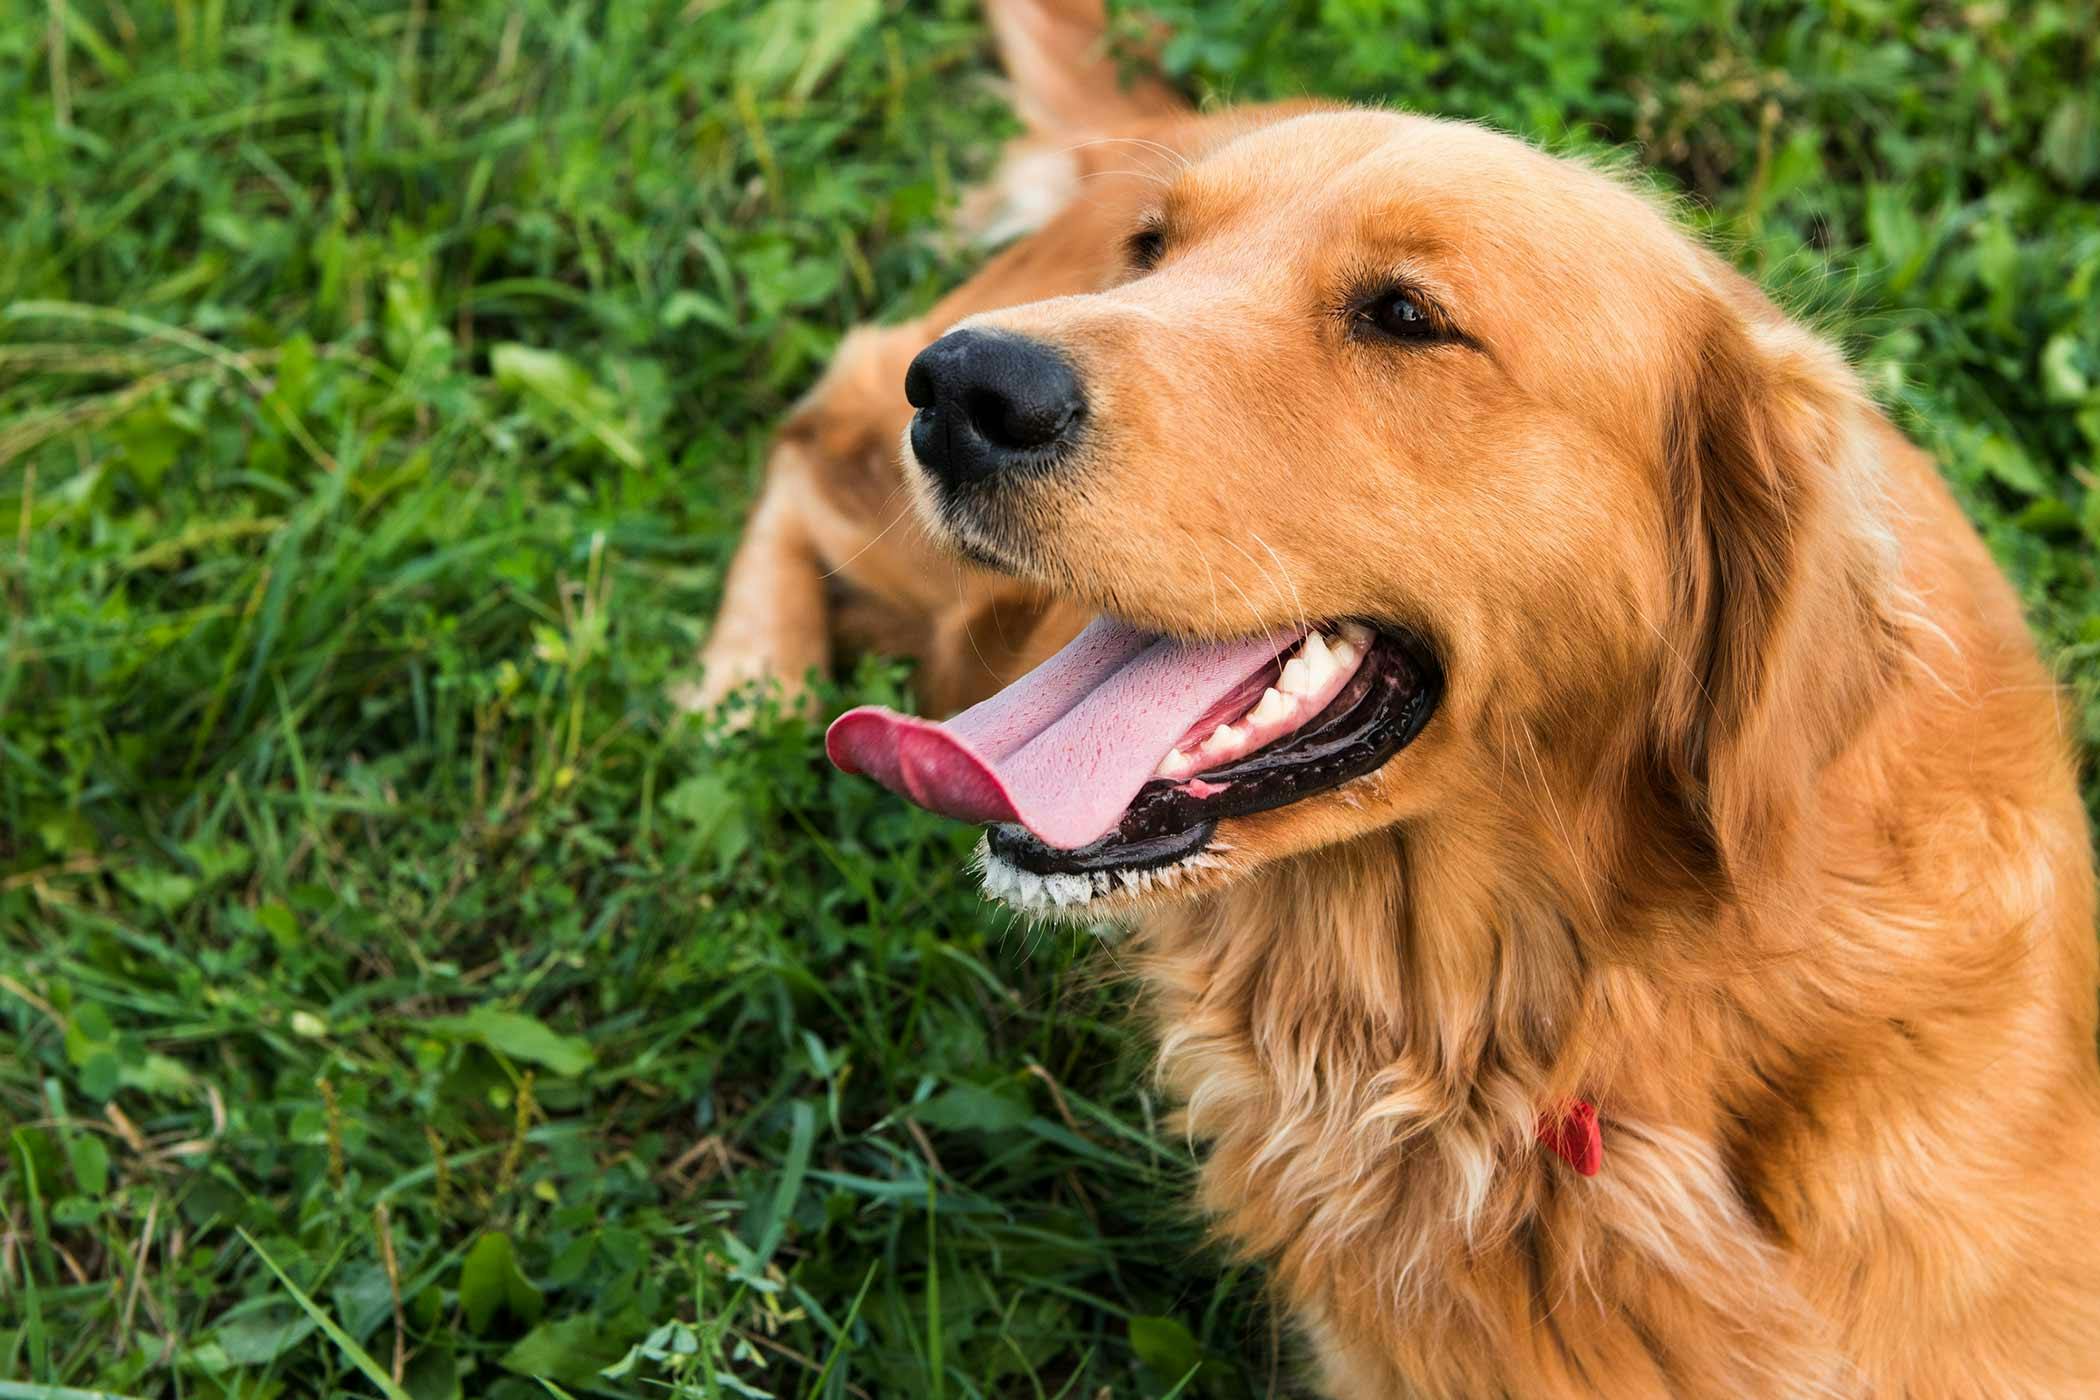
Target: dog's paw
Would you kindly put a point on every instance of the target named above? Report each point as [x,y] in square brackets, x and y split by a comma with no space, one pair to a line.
[728,676]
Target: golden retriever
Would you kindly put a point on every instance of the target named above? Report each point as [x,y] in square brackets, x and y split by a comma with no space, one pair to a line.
[1603,852]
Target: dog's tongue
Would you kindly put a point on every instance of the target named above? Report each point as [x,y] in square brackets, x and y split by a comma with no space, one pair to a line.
[1064,749]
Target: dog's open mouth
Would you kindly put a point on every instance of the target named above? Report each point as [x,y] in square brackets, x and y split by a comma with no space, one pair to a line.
[1121,754]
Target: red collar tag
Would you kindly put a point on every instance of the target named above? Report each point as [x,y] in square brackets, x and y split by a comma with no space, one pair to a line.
[1574,1135]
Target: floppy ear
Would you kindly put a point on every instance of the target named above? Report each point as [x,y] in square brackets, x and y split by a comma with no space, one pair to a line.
[1065,80]
[1067,88]
[1781,624]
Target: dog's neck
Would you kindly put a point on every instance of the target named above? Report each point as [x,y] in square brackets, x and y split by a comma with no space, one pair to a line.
[1366,1038]
[1379,997]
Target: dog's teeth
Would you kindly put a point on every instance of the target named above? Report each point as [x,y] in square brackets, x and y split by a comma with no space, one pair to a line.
[1224,736]
[1344,655]
[1297,677]
[1176,765]
[1319,663]
[1356,635]
[1272,707]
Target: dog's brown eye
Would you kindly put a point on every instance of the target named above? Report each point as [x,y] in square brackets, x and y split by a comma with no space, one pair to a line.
[1145,248]
[1401,315]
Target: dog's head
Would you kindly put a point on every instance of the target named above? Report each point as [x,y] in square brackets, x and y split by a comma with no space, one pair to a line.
[1418,476]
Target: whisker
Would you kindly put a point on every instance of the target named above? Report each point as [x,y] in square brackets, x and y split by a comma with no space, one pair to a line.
[1304,619]
[1252,611]
[1183,161]
[1152,175]
[969,631]
[895,520]
[1259,567]
[1217,613]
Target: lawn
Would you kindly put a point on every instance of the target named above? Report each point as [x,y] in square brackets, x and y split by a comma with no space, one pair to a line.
[396,995]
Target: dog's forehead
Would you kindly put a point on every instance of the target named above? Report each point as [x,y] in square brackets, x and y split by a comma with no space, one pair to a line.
[1361,183]
[1310,165]
[1506,236]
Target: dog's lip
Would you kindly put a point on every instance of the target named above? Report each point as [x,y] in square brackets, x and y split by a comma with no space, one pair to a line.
[1382,709]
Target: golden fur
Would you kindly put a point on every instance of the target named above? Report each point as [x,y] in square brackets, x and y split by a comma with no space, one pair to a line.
[1748,812]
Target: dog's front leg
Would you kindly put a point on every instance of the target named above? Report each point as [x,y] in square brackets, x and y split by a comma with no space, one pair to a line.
[771,627]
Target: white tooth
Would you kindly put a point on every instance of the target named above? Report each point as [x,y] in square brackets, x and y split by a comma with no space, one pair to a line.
[1315,646]
[1319,666]
[1296,679]
[1224,736]
[1344,655]
[1272,707]
[1176,765]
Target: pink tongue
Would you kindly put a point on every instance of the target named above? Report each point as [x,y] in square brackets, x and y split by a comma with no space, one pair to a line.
[1065,748]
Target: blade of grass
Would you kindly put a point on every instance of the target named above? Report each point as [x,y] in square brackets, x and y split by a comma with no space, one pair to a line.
[935,1362]
[802,1137]
[353,1353]
[844,1343]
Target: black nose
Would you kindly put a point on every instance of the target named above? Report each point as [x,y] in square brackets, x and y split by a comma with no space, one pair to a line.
[990,402]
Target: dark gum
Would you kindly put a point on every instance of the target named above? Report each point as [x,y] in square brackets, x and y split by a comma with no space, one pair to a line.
[1378,713]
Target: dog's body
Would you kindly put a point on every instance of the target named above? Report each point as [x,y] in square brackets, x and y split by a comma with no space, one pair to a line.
[1748,816]
[1851,1138]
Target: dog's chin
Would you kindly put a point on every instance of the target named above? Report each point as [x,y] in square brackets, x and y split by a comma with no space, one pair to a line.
[1106,895]
[965,527]
[1235,850]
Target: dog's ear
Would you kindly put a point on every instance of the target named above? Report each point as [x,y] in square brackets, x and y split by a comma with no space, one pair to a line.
[1066,82]
[1781,629]
[1085,117]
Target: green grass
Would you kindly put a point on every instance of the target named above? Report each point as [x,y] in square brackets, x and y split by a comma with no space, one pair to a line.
[386,966]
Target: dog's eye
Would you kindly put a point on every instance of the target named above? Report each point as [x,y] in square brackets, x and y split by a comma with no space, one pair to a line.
[1402,315]
[1145,248]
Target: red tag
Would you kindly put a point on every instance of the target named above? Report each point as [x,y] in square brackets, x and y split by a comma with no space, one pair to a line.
[1573,1134]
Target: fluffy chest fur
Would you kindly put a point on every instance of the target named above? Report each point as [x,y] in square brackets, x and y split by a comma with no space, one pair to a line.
[1806,1188]
[1368,1093]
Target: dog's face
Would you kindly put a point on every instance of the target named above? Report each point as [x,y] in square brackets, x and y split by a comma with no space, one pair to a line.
[1409,386]
[1061,209]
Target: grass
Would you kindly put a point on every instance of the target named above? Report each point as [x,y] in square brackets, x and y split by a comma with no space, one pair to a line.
[397,997]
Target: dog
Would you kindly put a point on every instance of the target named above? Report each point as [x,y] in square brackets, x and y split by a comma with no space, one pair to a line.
[1601,849]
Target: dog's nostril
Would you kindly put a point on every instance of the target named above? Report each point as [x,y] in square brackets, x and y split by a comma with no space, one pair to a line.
[919,387]
[989,401]
[1018,423]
